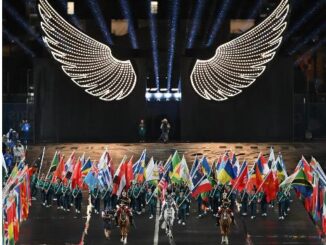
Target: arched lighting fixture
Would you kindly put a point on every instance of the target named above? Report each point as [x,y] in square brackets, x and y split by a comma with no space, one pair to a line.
[86,61]
[238,63]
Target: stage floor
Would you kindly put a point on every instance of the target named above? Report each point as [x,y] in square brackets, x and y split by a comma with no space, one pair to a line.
[52,226]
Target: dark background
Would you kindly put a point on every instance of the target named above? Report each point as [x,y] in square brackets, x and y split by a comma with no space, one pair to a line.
[66,113]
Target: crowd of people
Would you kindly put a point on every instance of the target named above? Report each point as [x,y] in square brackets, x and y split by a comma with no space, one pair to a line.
[14,146]
[142,197]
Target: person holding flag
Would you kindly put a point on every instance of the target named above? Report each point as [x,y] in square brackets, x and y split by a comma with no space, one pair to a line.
[95,199]
[253,203]
[244,202]
[151,200]
[65,197]
[58,193]
[78,196]
[182,203]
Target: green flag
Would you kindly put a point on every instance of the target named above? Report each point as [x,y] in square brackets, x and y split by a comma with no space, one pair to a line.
[54,163]
[175,159]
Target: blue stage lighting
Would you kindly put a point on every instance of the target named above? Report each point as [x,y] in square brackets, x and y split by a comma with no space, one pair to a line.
[308,37]
[199,7]
[22,22]
[154,40]
[254,12]
[97,13]
[312,50]
[73,18]
[14,39]
[303,19]
[131,27]
[173,32]
[218,22]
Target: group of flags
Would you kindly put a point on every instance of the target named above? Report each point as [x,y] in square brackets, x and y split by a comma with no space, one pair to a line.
[16,200]
[266,175]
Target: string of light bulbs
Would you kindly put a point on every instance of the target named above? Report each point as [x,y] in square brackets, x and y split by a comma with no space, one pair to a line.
[238,63]
[86,61]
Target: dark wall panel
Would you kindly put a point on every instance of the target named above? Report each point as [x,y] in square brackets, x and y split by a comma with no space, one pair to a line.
[261,112]
[64,112]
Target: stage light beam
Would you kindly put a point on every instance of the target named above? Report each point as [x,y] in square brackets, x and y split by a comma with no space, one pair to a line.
[218,22]
[98,15]
[131,26]
[13,38]
[199,7]
[173,32]
[22,22]
[154,44]
[303,19]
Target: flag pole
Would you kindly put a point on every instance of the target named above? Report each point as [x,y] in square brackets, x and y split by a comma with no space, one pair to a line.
[42,158]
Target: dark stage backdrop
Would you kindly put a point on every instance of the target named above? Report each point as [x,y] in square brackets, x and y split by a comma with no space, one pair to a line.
[64,112]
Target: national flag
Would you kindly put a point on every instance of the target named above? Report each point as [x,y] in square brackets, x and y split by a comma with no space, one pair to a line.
[200,183]
[4,165]
[271,158]
[194,166]
[58,173]
[205,166]
[11,216]
[24,199]
[280,169]
[104,160]
[119,179]
[160,169]
[139,168]
[69,165]
[241,181]
[324,209]
[105,179]
[261,163]
[226,173]
[55,162]
[90,180]
[175,160]
[318,170]
[129,173]
[301,183]
[76,179]
[185,174]
[86,167]
[152,171]
[315,200]
[270,186]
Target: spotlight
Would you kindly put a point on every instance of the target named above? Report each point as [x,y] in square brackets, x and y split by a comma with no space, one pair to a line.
[148,96]
[158,95]
[167,95]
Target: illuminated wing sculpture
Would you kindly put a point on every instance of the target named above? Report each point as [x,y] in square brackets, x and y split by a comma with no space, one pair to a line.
[238,63]
[86,61]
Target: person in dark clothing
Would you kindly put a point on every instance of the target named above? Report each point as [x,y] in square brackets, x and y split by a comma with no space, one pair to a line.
[165,129]
[78,196]
[142,131]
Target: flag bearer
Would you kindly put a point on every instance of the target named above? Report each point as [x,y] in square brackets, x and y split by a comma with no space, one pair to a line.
[263,203]
[95,198]
[151,200]
[58,193]
[253,204]
[48,192]
[40,185]
[244,203]
[281,204]
[182,203]
[78,195]
[65,197]
[135,196]
[106,196]
[34,185]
